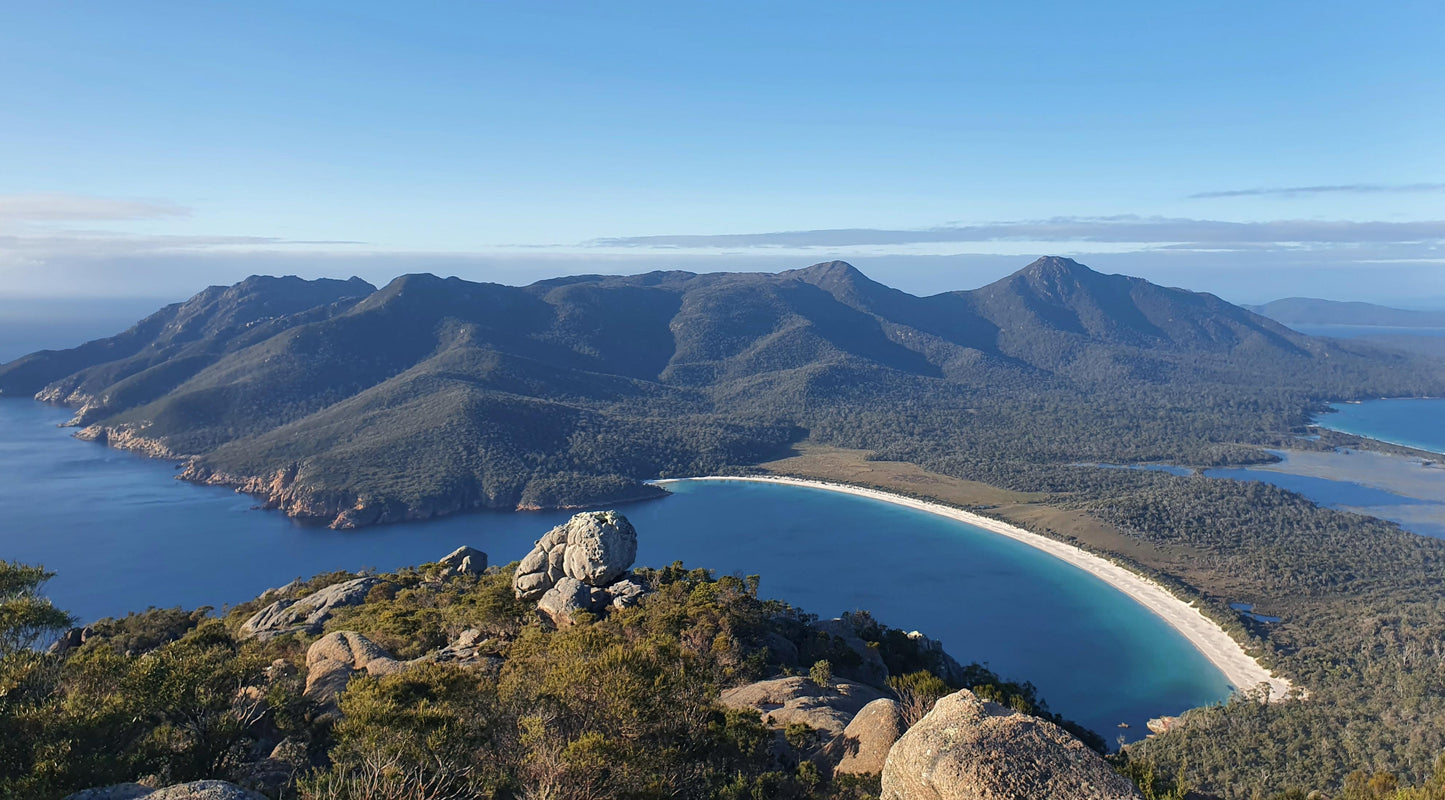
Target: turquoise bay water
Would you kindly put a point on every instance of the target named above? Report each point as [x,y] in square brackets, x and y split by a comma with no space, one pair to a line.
[123,535]
[1412,422]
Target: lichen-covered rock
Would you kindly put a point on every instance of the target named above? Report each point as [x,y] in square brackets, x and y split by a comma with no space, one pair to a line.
[564,601]
[600,547]
[784,701]
[204,790]
[869,737]
[350,648]
[335,657]
[196,790]
[969,749]
[325,681]
[465,561]
[307,614]
[625,594]
[594,548]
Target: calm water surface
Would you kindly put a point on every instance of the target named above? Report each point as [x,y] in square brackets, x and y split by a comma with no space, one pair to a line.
[123,535]
[1418,423]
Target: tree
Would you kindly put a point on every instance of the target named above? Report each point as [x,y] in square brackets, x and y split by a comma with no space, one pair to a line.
[25,616]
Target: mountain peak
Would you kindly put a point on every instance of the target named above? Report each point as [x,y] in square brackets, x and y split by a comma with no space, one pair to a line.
[828,272]
[1054,267]
[844,281]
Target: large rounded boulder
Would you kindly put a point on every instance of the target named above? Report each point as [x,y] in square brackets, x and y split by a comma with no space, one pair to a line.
[969,749]
[600,547]
[869,737]
[594,548]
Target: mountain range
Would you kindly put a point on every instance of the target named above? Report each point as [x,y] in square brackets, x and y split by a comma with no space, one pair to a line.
[1310,311]
[352,405]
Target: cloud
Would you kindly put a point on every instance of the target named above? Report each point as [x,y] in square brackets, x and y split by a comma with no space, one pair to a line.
[57,207]
[1344,188]
[1388,273]
[1116,229]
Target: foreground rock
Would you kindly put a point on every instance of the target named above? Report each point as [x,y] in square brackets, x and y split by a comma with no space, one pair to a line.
[594,548]
[308,614]
[869,737]
[196,790]
[786,701]
[204,790]
[335,657]
[968,749]
[569,597]
[581,566]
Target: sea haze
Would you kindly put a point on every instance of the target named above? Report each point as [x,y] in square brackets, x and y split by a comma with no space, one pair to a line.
[30,324]
[122,536]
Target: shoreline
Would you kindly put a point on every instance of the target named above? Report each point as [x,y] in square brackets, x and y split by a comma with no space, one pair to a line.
[1240,669]
[1315,422]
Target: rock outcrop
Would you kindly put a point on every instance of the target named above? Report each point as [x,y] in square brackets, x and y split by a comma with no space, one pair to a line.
[196,790]
[307,614]
[949,669]
[469,649]
[785,701]
[870,666]
[464,561]
[594,548]
[204,790]
[569,597]
[335,657]
[869,737]
[581,566]
[70,640]
[969,749]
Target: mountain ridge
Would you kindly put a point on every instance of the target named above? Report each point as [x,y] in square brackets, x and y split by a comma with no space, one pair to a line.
[357,405]
[1314,311]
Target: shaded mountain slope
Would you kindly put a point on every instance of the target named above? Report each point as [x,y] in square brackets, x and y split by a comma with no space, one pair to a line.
[431,395]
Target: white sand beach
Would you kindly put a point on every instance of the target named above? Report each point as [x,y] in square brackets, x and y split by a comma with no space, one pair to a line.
[1239,668]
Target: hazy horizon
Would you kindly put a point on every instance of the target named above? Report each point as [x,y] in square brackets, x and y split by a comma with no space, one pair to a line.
[60,306]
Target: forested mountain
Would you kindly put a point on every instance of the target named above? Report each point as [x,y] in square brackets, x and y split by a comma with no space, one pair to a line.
[1309,311]
[431,395]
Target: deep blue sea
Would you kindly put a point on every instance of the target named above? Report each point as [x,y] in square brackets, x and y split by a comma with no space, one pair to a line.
[123,535]
[1418,423]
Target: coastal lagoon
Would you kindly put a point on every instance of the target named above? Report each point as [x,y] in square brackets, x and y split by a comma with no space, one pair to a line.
[122,535]
[1409,491]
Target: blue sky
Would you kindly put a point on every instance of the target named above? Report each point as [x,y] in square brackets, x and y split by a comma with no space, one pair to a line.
[1253,150]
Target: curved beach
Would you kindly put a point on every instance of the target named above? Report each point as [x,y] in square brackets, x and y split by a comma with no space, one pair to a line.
[1239,668]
